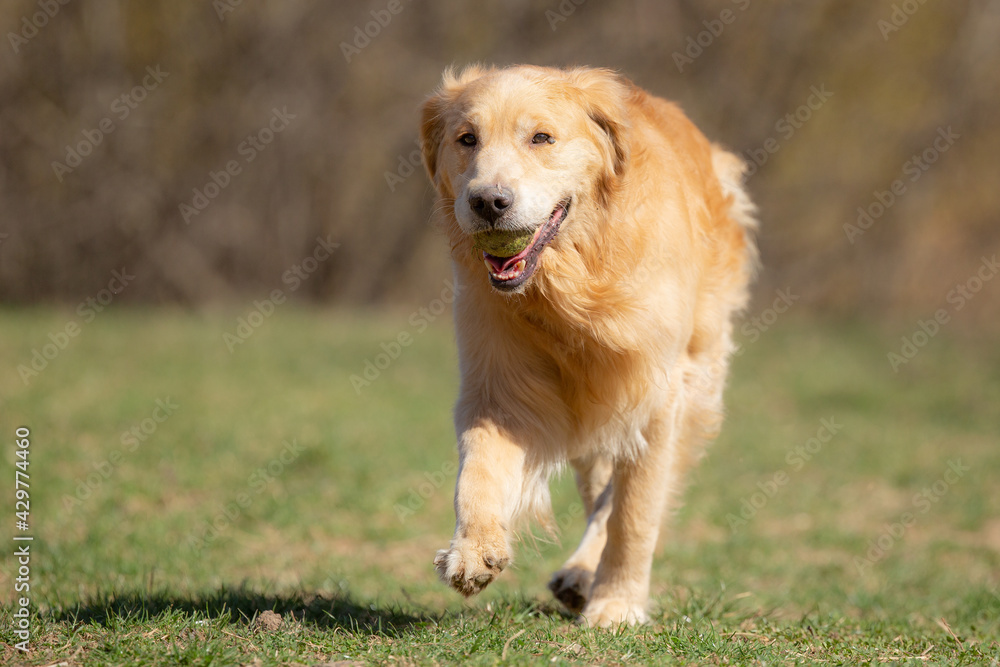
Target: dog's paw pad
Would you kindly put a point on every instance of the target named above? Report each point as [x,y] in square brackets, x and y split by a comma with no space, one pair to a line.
[571,586]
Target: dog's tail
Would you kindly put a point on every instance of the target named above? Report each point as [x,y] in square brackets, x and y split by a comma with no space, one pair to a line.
[730,169]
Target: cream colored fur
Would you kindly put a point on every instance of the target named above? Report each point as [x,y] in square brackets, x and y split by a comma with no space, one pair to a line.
[613,355]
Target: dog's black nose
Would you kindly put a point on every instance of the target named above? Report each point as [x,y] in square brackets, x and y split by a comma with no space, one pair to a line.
[491,202]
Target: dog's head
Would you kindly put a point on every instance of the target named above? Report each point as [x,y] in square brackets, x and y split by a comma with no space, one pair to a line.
[518,150]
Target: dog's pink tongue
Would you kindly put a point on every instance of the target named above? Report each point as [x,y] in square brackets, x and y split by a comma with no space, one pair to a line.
[497,263]
[501,264]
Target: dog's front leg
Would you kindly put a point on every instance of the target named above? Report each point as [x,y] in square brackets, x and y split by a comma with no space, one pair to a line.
[490,481]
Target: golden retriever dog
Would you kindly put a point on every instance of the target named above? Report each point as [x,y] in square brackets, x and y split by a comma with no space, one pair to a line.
[605,341]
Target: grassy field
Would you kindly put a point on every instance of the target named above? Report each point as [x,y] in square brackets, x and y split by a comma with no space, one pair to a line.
[179,490]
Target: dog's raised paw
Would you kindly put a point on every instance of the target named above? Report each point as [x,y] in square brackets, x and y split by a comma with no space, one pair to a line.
[469,568]
[571,586]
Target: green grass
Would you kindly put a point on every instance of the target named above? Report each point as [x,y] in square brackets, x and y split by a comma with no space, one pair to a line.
[126,571]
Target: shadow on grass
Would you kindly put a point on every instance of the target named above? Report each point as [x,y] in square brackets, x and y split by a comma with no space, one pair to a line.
[242,604]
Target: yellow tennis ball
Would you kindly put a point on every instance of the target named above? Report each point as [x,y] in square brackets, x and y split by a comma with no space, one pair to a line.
[502,243]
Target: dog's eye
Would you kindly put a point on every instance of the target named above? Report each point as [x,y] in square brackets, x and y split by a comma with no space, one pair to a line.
[542,138]
[467,139]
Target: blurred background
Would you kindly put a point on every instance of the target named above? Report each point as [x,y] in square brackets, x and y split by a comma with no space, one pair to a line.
[204,147]
[189,166]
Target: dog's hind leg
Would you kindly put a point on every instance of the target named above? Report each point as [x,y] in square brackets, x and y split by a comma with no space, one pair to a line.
[571,584]
[642,487]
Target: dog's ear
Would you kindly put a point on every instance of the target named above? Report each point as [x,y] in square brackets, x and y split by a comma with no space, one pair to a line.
[432,116]
[603,94]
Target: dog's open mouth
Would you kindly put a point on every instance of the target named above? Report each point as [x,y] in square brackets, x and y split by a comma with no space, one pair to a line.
[509,273]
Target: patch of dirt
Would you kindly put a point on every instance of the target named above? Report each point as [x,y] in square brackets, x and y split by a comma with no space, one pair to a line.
[988,536]
[267,621]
